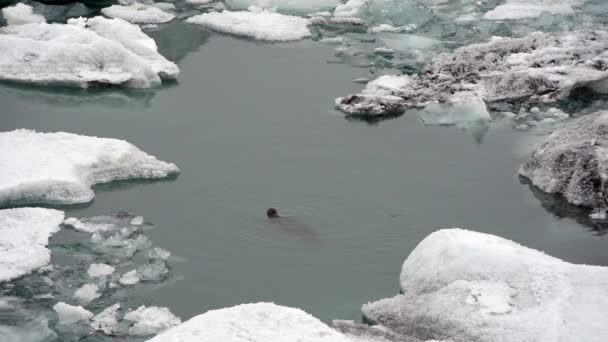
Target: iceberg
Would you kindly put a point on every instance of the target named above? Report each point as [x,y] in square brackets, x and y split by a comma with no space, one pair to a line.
[138,13]
[262,25]
[460,285]
[81,53]
[60,168]
[573,163]
[24,235]
[259,322]
[20,14]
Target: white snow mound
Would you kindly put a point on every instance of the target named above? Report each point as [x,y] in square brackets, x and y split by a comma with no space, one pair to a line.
[60,168]
[24,234]
[262,25]
[138,13]
[21,14]
[259,322]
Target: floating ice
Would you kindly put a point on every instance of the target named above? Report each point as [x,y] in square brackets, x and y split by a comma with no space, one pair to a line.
[462,110]
[520,9]
[69,314]
[100,270]
[20,14]
[260,322]
[573,162]
[541,67]
[460,285]
[286,6]
[24,234]
[151,320]
[262,25]
[129,278]
[138,13]
[62,167]
[87,293]
[82,52]
[106,320]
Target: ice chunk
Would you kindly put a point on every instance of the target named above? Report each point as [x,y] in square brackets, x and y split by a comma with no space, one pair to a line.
[83,52]
[462,109]
[69,314]
[151,320]
[153,271]
[573,162]
[106,320]
[520,9]
[286,6]
[24,234]
[62,167]
[100,270]
[258,25]
[260,322]
[138,13]
[351,8]
[138,220]
[460,285]
[129,278]
[87,293]
[20,14]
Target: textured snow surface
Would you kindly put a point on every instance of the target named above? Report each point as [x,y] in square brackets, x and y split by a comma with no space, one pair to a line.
[260,322]
[460,285]
[541,67]
[138,13]
[24,235]
[261,25]
[71,314]
[21,14]
[82,52]
[62,167]
[573,162]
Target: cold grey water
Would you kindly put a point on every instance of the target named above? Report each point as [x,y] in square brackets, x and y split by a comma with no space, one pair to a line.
[252,126]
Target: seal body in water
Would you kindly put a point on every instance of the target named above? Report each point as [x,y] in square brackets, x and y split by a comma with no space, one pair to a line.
[291,226]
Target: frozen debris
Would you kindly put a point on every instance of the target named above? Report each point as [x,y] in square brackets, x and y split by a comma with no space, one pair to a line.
[83,52]
[60,168]
[263,25]
[69,314]
[87,293]
[138,13]
[573,162]
[285,6]
[24,235]
[138,220]
[129,278]
[521,9]
[20,14]
[153,271]
[460,285]
[106,321]
[541,68]
[151,320]
[260,322]
[100,270]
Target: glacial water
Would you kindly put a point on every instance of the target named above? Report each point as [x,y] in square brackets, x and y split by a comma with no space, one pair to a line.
[251,126]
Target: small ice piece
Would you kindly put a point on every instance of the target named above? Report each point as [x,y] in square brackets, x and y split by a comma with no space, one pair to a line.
[462,109]
[24,235]
[87,293]
[137,221]
[106,320]
[153,271]
[151,320]
[138,13]
[384,51]
[351,9]
[263,25]
[523,9]
[69,314]
[100,270]
[60,168]
[599,214]
[286,6]
[129,278]
[158,253]
[199,2]
[259,322]
[21,14]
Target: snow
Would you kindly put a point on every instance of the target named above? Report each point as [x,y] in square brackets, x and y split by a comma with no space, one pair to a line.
[259,322]
[69,314]
[138,13]
[106,320]
[129,278]
[87,293]
[60,168]
[24,235]
[350,9]
[285,6]
[262,25]
[573,162]
[82,52]
[521,9]
[151,320]
[21,14]
[462,285]
[100,270]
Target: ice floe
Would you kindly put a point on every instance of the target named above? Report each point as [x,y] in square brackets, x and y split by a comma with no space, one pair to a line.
[71,314]
[460,285]
[62,167]
[150,320]
[100,270]
[106,320]
[20,14]
[24,235]
[286,6]
[573,163]
[259,322]
[520,9]
[83,52]
[138,13]
[261,25]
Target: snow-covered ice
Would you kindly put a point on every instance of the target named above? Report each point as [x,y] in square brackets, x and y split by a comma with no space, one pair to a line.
[62,167]
[259,322]
[151,320]
[87,293]
[69,314]
[138,13]
[100,270]
[83,52]
[129,278]
[520,9]
[24,235]
[20,14]
[262,25]
[460,285]
[286,6]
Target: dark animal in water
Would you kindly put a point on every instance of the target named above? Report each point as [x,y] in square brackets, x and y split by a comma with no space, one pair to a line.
[291,226]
